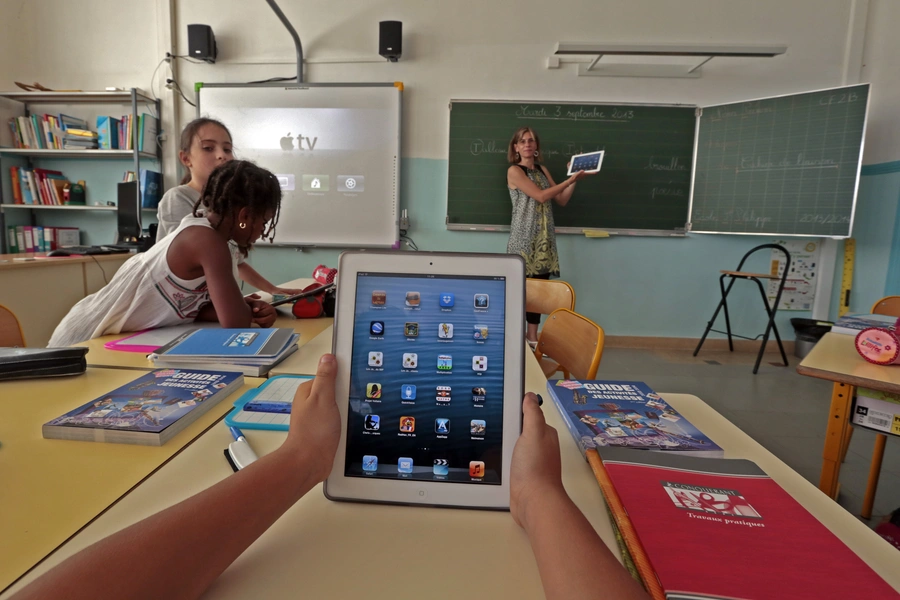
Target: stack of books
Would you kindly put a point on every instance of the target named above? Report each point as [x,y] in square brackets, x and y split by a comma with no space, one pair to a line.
[37,186]
[252,352]
[80,139]
[691,524]
[22,239]
[853,324]
[151,186]
[148,411]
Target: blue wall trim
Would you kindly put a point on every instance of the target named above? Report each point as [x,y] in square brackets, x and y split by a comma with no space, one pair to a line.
[881,168]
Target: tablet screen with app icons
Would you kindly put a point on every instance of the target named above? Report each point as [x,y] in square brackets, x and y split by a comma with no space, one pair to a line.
[426,378]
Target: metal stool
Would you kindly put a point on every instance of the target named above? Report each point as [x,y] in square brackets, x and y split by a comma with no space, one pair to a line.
[738,274]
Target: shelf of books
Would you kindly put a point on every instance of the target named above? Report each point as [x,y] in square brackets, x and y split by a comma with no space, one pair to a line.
[34,179]
[65,207]
[87,153]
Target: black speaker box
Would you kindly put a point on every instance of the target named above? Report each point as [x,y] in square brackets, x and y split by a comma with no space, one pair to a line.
[202,43]
[390,39]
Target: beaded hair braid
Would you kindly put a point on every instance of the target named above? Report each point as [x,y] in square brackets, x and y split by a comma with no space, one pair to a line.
[241,184]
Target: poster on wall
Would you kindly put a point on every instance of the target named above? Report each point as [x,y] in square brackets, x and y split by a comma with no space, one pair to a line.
[800,286]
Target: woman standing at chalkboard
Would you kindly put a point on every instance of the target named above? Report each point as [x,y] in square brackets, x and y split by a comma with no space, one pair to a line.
[531,189]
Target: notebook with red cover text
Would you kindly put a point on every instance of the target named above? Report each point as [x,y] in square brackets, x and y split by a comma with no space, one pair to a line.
[721,528]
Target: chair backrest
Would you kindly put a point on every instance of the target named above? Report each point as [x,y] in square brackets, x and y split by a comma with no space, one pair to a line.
[10,331]
[544,296]
[573,341]
[889,305]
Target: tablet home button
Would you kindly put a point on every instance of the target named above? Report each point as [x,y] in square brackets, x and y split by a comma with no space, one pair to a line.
[422,493]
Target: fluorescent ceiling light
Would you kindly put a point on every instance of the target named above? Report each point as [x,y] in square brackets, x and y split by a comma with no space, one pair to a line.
[594,49]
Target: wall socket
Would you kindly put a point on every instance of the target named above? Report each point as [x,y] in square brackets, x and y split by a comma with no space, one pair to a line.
[404,220]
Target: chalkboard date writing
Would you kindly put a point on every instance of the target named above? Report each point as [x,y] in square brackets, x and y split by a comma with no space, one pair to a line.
[824,219]
[575,114]
[737,215]
[839,98]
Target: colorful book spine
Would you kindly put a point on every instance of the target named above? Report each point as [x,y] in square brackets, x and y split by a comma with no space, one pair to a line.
[12,242]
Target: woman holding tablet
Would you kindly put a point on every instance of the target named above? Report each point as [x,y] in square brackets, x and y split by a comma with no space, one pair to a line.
[531,234]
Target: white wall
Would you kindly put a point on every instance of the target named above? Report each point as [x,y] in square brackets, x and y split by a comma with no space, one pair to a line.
[494,50]
[489,50]
[882,50]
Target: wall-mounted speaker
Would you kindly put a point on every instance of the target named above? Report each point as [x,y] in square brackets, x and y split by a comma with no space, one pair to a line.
[390,39]
[202,43]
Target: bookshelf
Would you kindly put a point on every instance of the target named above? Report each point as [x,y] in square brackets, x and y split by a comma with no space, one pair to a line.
[104,164]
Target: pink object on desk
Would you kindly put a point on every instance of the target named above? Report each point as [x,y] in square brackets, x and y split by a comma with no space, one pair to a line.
[879,345]
[121,347]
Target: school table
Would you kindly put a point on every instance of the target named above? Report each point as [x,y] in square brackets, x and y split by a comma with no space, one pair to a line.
[99,356]
[52,488]
[40,291]
[835,358]
[325,549]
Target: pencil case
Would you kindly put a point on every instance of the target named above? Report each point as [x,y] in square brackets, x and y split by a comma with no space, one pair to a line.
[879,345]
[37,363]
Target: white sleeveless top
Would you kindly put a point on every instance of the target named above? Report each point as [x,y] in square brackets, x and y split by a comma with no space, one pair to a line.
[143,294]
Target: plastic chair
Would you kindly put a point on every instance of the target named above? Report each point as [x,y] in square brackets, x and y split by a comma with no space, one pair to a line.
[10,330]
[570,342]
[889,305]
[770,327]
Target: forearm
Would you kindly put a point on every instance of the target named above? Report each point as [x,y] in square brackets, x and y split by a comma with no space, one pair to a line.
[563,197]
[191,543]
[250,275]
[571,557]
[553,192]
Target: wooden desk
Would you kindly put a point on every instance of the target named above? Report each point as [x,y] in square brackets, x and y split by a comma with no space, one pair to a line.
[41,292]
[99,356]
[304,360]
[52,488]
[835,358]
[331,549]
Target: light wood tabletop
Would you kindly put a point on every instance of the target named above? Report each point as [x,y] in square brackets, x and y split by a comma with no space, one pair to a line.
[331,549]
[52,488]
[835,358]
[100,356]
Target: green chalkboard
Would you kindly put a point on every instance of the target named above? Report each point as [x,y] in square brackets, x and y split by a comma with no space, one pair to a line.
[783,165]
[644,183]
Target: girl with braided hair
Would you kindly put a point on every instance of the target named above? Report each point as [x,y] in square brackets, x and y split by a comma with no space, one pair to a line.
[188,275]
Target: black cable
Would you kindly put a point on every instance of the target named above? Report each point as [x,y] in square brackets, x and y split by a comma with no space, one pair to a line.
[99,266]
[178,88]
[271,79]
[409,241]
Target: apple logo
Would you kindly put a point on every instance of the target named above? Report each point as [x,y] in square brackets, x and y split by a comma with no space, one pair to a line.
[287,142]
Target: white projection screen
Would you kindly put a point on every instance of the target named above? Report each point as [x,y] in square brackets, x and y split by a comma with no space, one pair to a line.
[335,149]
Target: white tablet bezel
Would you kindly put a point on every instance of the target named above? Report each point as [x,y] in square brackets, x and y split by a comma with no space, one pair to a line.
[473,495]
[602,153]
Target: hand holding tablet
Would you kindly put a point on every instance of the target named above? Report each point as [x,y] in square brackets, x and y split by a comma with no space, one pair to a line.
[589,162]
[430,355]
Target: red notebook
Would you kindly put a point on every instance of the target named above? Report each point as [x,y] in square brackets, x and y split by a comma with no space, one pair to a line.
[721,528]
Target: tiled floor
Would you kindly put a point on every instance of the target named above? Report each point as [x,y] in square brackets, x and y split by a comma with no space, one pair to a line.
[783,411]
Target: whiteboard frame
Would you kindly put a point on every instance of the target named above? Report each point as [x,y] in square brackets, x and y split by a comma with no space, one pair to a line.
[395,199]
[677,232]
[862,147]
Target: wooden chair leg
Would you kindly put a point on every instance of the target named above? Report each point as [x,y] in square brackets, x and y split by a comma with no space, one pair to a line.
[847,438]
[874,472]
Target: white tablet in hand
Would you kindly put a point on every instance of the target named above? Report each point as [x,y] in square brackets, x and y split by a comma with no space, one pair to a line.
[430,353]
[589,162]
